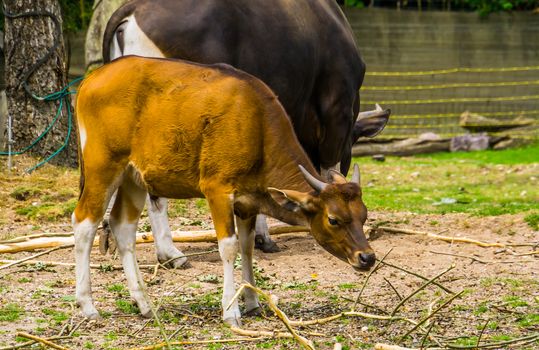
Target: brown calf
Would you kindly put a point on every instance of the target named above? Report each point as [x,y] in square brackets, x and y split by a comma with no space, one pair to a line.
[180,130]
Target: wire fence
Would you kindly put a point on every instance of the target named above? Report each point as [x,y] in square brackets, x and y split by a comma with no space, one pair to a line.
[434,100]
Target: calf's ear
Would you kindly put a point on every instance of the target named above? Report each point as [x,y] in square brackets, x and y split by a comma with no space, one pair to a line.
[292,200]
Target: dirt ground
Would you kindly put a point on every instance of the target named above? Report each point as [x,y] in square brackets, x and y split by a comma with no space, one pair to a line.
[500,298]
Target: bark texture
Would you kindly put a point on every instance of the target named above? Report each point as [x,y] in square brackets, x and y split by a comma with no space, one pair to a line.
[103,9]
[27,39]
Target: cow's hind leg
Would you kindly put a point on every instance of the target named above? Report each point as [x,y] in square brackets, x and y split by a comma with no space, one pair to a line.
[263,240]
[246,235]
[165,249]
[123,222]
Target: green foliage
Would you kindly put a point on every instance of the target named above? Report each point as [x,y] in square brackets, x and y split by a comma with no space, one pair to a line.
[354,3]
[76,14]
[485,7]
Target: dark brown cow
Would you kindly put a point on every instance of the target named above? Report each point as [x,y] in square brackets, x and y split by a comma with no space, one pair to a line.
[303,49]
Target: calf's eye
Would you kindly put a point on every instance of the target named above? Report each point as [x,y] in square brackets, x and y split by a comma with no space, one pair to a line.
[333,222]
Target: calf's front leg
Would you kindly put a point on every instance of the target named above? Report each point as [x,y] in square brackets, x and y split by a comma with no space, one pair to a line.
[223,219]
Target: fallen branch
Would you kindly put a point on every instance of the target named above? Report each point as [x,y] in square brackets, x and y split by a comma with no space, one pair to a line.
[440,237]
[31,342]
[421,288]
[35,256]
[426,318]
[53,240]
[380,346]
[523,340]
[418,276]
[193,342]
[487,261]
[58,263]
[376,267]
[264,334]
[41,340]
[351,314]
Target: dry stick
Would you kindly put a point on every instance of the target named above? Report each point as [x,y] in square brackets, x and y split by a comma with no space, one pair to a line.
[353,314]
[394,289]
[58,263]
[264,334]
[418,276]
[527,339]
[84,320]
[281,315]
[421,288]
[31,342]
[426,335]
[443,238]
[36,255]
[369,276]
[486,261]
[481,333]
[194,342]
[380,346]
[41,340]
[535,252]
[187,256]
[37,235]
[432,314]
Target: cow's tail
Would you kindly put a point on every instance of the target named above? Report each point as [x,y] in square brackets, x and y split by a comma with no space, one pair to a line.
[113,23]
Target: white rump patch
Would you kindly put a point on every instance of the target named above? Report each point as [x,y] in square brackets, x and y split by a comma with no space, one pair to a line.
[136,42]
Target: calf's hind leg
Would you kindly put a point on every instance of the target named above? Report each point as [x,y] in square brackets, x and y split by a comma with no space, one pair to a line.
[86,217]
[124,218]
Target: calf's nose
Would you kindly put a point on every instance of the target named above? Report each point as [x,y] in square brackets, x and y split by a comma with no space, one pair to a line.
[367,260]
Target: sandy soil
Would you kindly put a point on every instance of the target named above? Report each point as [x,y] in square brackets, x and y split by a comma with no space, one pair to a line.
[499,287]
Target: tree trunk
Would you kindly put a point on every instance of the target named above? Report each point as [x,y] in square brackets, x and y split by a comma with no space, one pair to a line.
[27,40]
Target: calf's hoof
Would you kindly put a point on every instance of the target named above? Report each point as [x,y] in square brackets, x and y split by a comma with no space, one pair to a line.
[147,314]
[233,322]
[257,311]
[267,246]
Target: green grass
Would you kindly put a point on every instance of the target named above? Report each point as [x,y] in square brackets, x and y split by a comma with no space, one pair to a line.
[479,183]
[10,312]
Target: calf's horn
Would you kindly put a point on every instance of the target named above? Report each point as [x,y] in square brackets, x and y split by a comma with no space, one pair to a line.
[311,180]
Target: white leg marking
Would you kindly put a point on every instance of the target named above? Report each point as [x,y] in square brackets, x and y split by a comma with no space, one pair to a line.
[247,242]
[125,233]
[136,42]
[157,213]
[228,249]
[84,239]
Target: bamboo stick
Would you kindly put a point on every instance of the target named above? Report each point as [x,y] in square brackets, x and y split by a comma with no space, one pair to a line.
[52,240]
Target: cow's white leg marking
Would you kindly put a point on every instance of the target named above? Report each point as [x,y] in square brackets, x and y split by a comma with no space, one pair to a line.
[157,213]
[247,242]
[136,42]
[228,249]
[84,238]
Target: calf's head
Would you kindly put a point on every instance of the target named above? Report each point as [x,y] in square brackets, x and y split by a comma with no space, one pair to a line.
[336,214]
